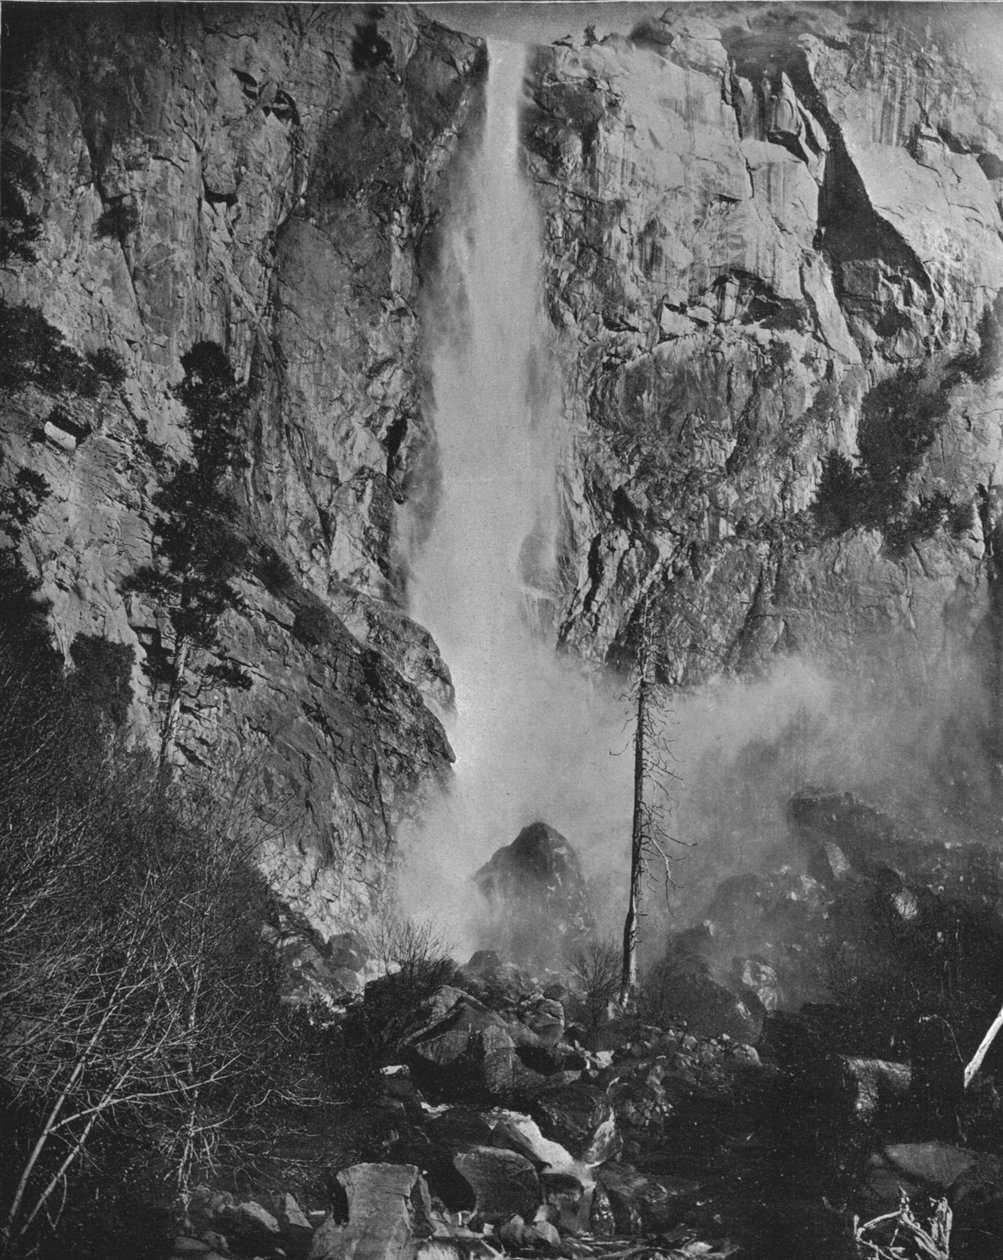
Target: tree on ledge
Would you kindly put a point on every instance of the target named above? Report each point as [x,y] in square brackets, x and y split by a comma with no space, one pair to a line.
[198,549]
[650,839]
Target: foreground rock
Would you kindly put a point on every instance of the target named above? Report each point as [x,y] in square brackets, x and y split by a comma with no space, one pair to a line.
[505,1183]
[387,1215]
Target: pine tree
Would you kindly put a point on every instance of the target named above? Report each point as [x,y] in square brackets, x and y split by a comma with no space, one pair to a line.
[198,547]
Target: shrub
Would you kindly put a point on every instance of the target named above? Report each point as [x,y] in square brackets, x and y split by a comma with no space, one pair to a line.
[198,547]
[394,1007]
[101,678]
[117,221]
[900,419]
[34,352]
[596,968]
[20,228]
[107,365]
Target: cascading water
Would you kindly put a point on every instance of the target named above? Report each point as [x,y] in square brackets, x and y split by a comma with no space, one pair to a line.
[483,579]
[483,573]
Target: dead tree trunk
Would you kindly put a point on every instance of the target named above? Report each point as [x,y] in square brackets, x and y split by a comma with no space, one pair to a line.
[628,979]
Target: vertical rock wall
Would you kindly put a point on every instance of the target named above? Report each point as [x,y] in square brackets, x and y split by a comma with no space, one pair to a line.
[774,238]
[282,167]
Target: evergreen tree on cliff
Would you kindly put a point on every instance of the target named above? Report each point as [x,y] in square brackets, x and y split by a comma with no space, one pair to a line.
[198,549]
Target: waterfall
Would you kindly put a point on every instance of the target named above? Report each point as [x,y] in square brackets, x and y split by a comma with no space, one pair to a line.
[481,583]
[525,733]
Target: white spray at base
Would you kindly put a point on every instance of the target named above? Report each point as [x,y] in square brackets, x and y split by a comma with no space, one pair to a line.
[529,732]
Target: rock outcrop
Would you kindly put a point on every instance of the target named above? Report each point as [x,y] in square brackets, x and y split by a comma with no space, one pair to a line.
[537,898]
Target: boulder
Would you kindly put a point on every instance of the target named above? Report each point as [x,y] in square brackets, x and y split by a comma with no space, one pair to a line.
[709,1009]
[470,1047]
[580,1117]
[760,980]
[565,1194]
[933,1167]
[475,1050]
[388,1215]
[867,1086]
[537,898]
[250,1227]
[640,1204]
[504,1183]
[545,1017]
[516,1132]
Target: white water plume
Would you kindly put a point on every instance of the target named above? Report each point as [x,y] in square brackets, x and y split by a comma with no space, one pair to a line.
[529,732]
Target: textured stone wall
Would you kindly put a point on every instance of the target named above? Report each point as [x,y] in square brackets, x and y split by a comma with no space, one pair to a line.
[738,302]
[285,165]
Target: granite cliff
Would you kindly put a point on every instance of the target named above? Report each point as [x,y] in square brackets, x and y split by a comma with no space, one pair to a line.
[774,260]
[774,247]
[276,175]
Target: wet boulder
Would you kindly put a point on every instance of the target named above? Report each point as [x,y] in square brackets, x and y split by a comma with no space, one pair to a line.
[580,1117]
[537,898]
[385,1215]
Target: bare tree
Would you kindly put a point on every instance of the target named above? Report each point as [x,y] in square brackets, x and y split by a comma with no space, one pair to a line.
[596,968]
[654,774]
[133,984]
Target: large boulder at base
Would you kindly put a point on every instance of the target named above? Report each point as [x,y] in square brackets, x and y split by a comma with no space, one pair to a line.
[389,1214]
[504,1183]
[580,1117]
[537,898]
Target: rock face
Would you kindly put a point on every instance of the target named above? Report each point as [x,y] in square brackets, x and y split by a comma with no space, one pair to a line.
[537,897]
[267,180]
[773,239]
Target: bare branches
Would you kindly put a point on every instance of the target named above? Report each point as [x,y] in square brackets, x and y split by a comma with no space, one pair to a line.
[133,978]
[900,1235]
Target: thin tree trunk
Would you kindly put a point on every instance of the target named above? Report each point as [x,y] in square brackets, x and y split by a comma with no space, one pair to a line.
[628,979]
[179,666]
